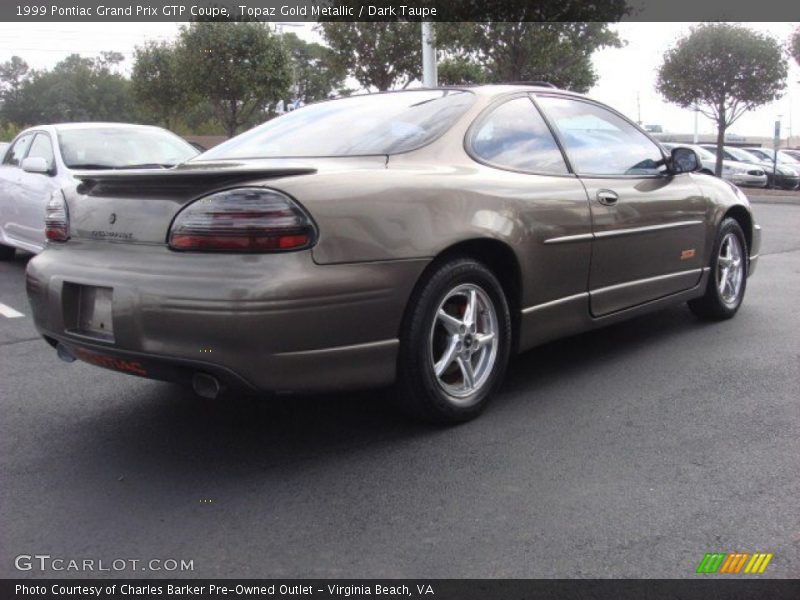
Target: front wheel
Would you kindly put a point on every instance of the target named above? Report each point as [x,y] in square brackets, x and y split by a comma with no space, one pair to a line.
[456,343]
[728,278]
[6,252]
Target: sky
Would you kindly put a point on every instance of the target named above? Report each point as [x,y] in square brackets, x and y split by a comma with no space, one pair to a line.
[626,76]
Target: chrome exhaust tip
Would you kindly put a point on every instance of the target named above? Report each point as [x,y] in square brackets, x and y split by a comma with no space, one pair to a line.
[206,386]
[64,353]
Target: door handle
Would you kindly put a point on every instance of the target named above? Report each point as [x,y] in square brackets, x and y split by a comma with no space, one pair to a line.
[607,197]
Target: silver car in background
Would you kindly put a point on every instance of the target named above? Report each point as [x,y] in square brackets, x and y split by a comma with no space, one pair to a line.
[785,176]
[41,161]
[740,173]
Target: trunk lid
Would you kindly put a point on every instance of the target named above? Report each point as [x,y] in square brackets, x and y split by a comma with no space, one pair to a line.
[138,206]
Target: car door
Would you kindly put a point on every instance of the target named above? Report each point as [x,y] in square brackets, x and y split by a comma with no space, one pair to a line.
[34,192]
[648,224]
[527,171]
[10,187]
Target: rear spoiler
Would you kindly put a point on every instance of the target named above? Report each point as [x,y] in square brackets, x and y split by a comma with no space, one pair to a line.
[209,173]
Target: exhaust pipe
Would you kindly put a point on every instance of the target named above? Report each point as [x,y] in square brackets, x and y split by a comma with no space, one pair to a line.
[206,386]
[64,353]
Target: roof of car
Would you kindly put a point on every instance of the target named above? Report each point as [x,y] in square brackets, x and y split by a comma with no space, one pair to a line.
[99,125]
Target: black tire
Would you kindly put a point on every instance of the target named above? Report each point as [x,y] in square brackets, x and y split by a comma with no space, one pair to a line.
[713,305]
[6,252]
[422,393]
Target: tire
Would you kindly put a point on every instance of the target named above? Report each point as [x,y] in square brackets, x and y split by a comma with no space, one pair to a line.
[458,344]
[6,252]
[729,263]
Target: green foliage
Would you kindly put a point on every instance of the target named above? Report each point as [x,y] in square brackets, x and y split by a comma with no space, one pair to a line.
[461,70]
[76,89]
[14,76]
[379,55]
[725,70]
[315,73]
[158,88]
[560,53]
[240,67]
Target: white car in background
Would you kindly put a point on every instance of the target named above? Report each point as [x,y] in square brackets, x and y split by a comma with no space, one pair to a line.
[40,162]
[740,173]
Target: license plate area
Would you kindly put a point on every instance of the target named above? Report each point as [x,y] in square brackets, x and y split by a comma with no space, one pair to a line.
[88,311]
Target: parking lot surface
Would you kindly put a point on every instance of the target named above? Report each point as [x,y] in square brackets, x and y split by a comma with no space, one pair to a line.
[627,452]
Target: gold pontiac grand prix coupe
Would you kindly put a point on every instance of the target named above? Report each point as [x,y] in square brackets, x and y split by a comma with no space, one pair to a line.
[418,238]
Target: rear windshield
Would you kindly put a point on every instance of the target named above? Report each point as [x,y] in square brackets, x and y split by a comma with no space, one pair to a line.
[355,126]
[122,148]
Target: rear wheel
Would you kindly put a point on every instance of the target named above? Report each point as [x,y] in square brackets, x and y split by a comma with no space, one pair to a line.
[456,343]
[728,277]
[6,252]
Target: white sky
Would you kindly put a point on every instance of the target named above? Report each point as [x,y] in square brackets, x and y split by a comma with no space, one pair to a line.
[623,73]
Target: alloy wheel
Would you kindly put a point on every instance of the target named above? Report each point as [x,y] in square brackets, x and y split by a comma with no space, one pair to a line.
[730,269]
[464,342]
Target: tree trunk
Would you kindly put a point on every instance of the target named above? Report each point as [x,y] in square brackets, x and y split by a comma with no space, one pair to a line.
[720,143]
[722,125]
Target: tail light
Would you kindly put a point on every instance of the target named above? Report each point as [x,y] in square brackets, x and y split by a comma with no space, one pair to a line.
[56,219]
[244,219]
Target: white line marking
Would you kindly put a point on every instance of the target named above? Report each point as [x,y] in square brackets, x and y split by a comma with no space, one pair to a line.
[9,312]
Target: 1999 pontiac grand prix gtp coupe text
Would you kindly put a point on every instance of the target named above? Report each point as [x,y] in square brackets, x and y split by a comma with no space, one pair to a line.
[418,237]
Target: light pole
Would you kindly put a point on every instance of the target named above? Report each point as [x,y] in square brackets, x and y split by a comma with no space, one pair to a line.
[430,77]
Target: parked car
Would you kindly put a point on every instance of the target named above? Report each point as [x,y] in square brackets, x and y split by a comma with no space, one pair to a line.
[780,156]
[734,171]
[421,237]
[785,176]
[3,147]
[795,154]
[41,160]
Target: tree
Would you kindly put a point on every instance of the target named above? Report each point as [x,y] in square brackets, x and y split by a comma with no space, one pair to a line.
[461,70]
[379,55]
[240,67]
[795,45]
[560,53]
[14,75]
[76,89]
[157,84]
[725,70]
[315,73]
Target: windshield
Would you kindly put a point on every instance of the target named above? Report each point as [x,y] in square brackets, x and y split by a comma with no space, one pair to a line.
[770,155]
[355,126]
[743,155]
[122,148]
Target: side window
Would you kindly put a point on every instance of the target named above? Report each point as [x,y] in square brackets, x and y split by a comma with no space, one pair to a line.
[42,147]
[598,142]
[17,152]
[514,136]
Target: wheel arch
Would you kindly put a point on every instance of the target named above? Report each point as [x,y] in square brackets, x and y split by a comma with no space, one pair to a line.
[742,216]
[499,257]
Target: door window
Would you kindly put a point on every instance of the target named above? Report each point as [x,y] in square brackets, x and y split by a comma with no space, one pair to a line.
[42,147]
[599,142]
[514,136]
[17,152]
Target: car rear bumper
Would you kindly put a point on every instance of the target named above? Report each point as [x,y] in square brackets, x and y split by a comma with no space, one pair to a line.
[276,322]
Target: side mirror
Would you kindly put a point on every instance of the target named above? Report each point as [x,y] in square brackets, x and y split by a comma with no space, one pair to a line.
[684,160]
[35,164]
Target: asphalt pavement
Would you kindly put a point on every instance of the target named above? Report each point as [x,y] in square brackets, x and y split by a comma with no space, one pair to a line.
[627,452]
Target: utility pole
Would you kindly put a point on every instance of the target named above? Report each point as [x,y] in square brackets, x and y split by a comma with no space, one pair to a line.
[695,138]
[430,77]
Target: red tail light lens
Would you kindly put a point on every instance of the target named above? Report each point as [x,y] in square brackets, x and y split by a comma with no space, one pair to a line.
[243,220]
[56,219]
